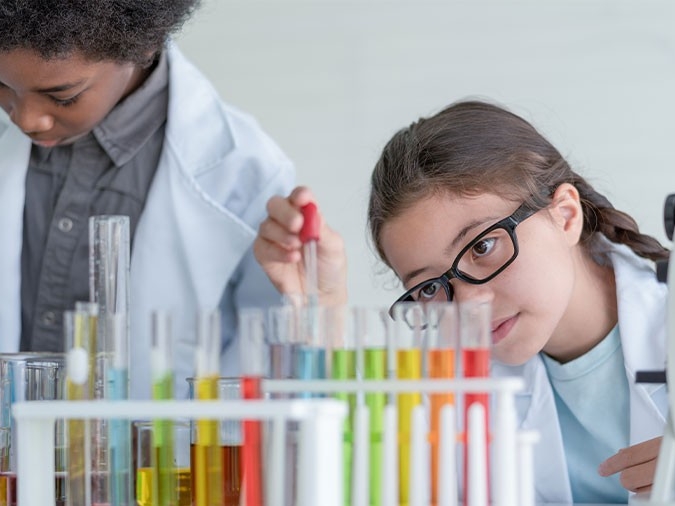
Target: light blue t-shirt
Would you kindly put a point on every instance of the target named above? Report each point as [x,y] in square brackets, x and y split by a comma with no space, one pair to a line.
[591,395]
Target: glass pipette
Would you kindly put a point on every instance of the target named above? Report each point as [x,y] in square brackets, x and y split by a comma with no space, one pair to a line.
[309,236]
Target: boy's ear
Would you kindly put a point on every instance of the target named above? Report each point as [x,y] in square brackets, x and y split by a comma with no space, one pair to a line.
[567,212]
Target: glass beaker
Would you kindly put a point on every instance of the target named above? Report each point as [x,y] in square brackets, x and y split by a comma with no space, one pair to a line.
[148,491]
[29,377]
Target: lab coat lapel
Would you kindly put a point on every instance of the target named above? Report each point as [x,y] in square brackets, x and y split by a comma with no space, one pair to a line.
[184,230]
[14,155]
[642,320]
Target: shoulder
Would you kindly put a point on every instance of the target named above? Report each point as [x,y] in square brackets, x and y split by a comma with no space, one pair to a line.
[222,149]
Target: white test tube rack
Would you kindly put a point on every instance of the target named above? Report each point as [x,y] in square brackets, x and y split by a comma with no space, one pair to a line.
[320,472]
[511,470]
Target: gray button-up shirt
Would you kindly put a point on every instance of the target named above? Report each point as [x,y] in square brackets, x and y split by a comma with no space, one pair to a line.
[107,172]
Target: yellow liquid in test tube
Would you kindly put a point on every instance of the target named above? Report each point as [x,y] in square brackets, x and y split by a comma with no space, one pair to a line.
[208,464]
[408,366]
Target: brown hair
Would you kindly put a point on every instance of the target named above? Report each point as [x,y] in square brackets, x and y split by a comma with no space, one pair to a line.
[473,147]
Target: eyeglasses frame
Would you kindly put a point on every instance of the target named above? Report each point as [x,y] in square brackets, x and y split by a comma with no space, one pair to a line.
[524,211]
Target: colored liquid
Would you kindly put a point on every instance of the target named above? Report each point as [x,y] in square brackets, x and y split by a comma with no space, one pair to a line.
[231,477]
[344,368]
[408,366]
[441,365]
[207,457]
[475,364]
[250,388]
[145,486]
[163,442]
[309,364]
[281,360]
[375,365]
[120,441]
[7,489]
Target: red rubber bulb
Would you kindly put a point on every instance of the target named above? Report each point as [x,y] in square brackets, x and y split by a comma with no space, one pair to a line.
[310,226]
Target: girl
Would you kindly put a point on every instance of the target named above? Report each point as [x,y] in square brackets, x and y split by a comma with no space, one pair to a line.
[473,203]
[105,116]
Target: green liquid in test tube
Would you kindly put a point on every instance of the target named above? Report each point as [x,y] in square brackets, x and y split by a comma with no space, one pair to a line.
[162,435]
[375,360]
[344,368]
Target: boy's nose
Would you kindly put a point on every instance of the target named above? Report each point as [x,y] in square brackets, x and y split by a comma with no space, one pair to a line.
[31,120]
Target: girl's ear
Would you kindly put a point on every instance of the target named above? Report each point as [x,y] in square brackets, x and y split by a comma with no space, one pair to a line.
[567,212]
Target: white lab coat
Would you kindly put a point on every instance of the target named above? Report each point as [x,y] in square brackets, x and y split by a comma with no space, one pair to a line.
[642,320]
[192,246]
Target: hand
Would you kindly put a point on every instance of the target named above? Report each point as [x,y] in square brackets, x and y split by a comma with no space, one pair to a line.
[637,465]
[279,251]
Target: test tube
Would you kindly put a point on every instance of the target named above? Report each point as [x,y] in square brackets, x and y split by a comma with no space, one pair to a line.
[409,323]
[372,326]
[309,355]
[109,262]
[164,476]
[341,339]
[442,342]
[76,330]
[207,467]
[475,342]
[254,368]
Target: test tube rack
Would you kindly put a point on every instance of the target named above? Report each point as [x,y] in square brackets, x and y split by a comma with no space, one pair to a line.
[511,469]
[319,479]
[320,463]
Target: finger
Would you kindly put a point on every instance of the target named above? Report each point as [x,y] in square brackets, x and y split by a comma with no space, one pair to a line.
[301,196]
[285,213]
[639,476]
[272,231]
[267,252]
[643,490]
[627,457]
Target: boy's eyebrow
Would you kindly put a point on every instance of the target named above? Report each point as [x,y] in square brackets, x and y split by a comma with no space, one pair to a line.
[60,87]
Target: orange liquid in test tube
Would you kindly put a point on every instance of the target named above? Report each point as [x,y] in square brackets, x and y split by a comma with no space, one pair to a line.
[441,365]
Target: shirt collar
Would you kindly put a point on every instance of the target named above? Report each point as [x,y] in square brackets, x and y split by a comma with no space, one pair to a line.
[126,128]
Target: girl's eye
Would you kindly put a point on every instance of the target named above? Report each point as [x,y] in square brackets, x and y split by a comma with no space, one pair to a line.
[484,246]
[429,291]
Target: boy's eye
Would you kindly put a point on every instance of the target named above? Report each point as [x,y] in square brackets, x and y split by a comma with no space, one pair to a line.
[65,102]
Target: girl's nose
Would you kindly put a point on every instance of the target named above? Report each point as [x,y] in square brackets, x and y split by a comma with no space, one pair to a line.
[31,119]
[475,293]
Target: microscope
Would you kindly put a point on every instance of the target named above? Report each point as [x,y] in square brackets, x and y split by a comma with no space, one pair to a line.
[663,490]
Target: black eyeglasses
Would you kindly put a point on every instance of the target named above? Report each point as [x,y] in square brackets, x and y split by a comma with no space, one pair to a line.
[492,251]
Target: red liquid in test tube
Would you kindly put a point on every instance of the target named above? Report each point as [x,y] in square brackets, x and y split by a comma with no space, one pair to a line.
[475,341]
[254,361]
[252,464]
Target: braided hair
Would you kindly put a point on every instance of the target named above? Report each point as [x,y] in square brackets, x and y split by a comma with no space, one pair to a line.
[474,147]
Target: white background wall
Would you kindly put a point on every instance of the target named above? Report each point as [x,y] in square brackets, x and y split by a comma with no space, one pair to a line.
[332,80]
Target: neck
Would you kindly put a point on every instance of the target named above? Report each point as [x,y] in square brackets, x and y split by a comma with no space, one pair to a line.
[591,315]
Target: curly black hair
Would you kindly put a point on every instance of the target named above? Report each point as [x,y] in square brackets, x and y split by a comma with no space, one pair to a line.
[114,30]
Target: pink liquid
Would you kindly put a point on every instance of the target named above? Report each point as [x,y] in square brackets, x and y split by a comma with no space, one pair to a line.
[476,364]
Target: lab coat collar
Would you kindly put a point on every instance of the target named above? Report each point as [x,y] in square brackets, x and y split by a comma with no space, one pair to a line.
[15,149]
